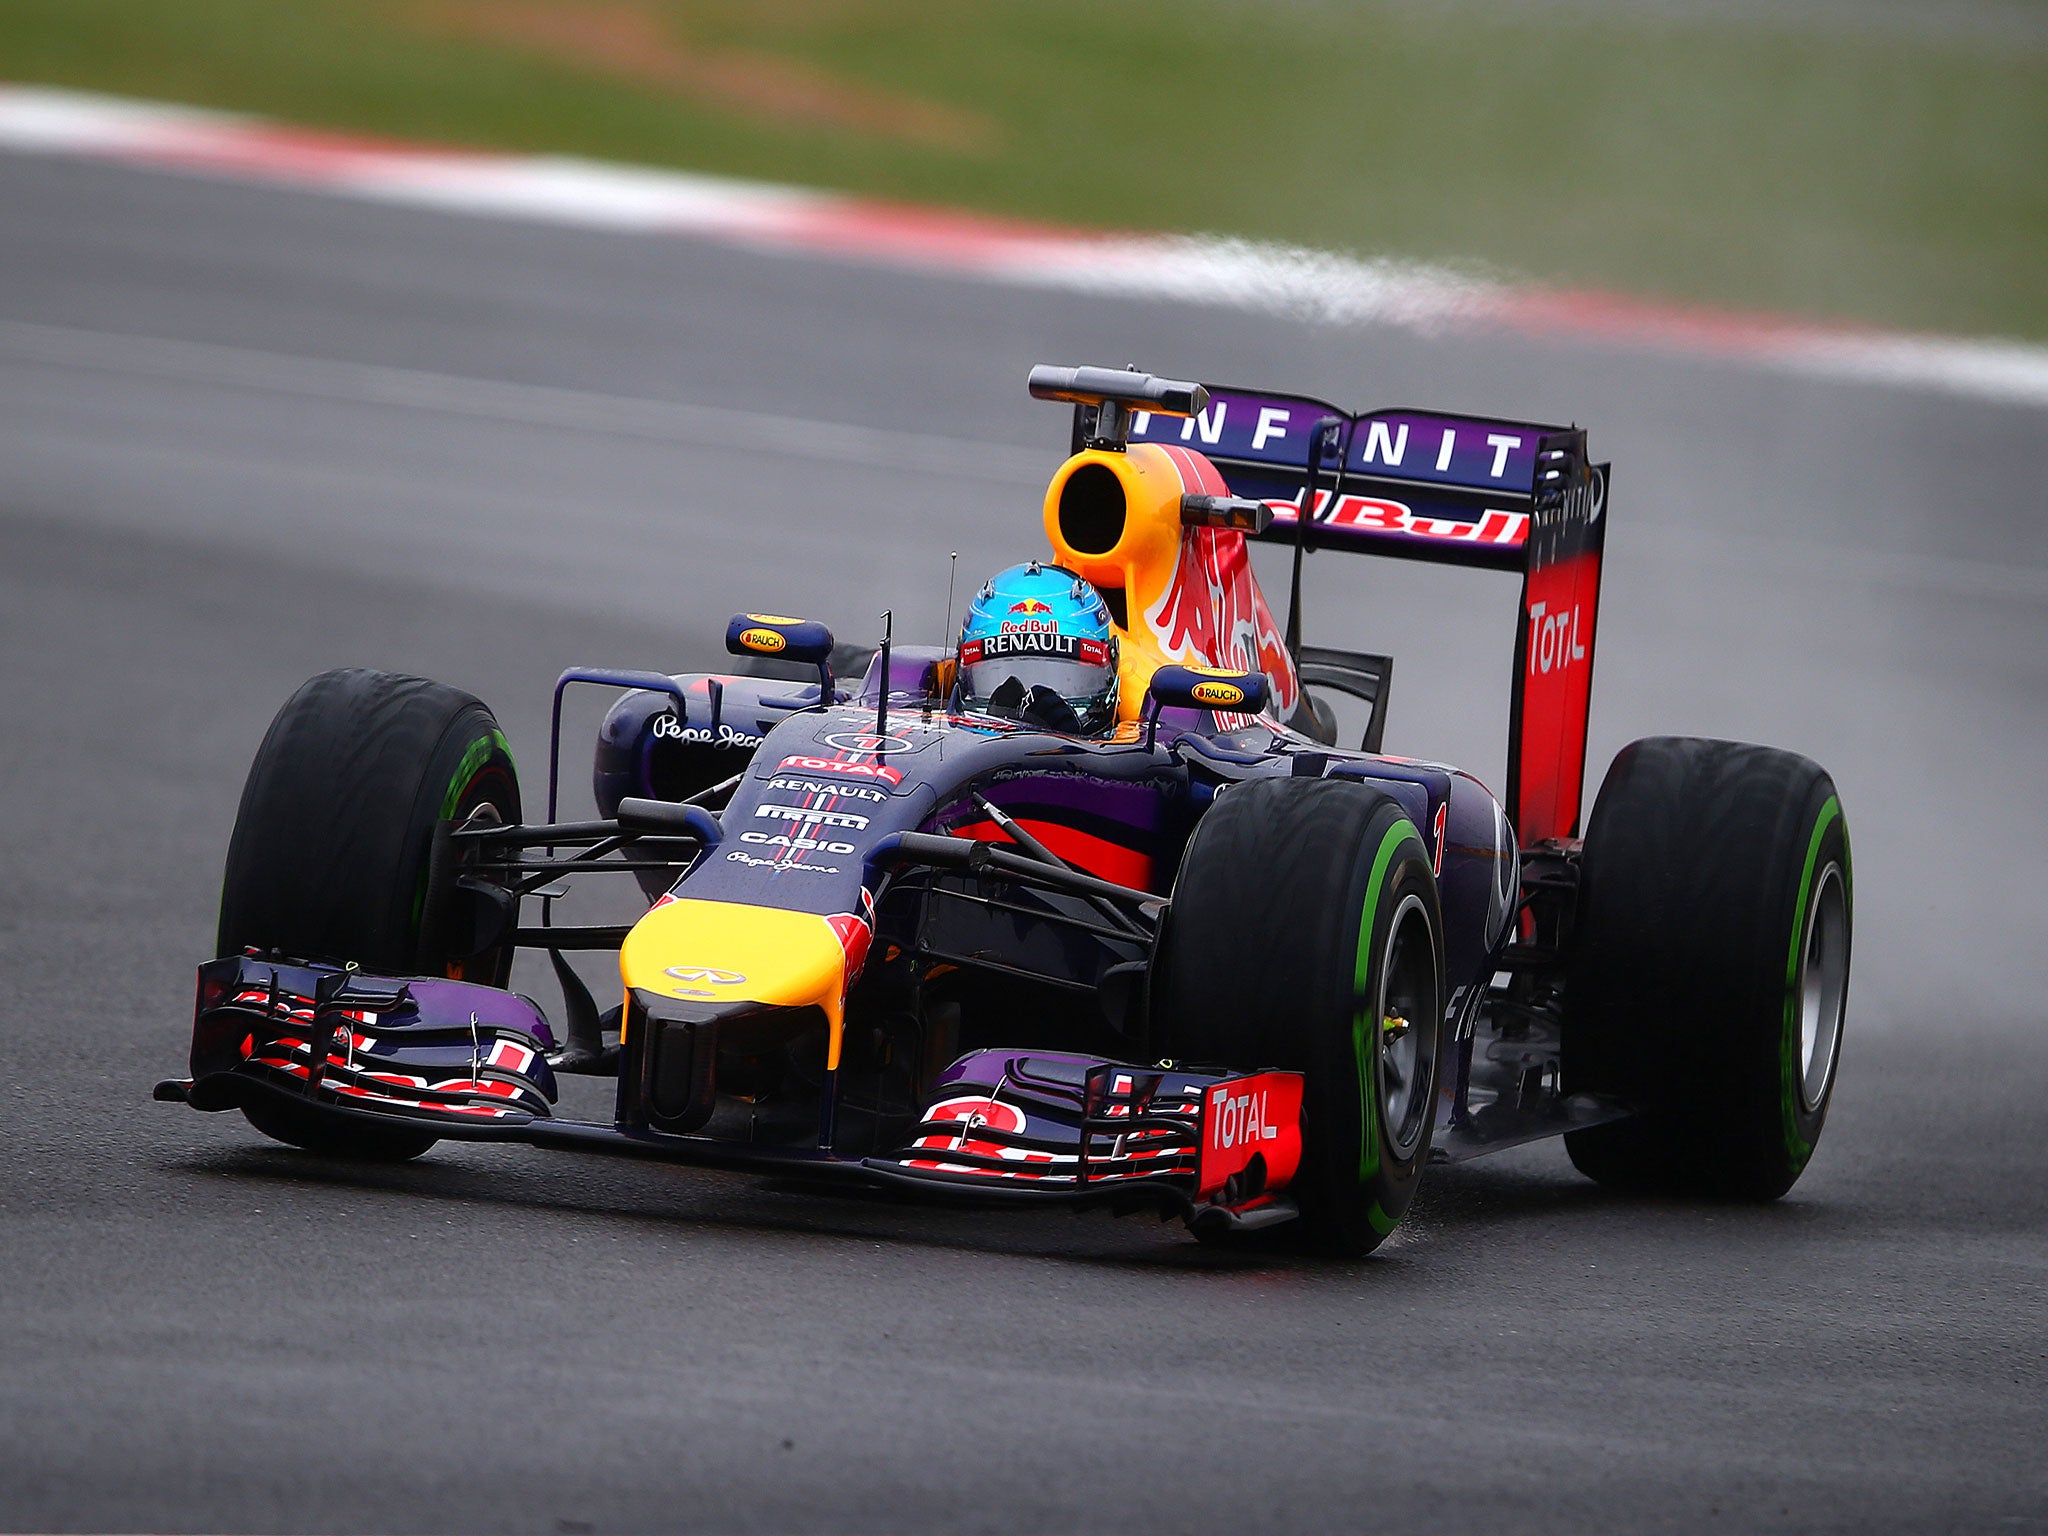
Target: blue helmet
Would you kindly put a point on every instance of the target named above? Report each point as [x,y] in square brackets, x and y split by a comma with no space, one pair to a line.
[1038,645]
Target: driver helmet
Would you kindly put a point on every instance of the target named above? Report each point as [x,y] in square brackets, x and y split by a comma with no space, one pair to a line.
[1038,645]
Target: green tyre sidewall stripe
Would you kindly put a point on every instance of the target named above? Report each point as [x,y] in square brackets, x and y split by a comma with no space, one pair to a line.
[1365,1028]
[1798,1146]
[474,759]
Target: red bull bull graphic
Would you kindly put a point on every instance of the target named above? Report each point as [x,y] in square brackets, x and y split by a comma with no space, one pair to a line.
[1212,613]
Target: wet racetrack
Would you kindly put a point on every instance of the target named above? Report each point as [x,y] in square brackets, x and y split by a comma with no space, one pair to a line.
[248,434]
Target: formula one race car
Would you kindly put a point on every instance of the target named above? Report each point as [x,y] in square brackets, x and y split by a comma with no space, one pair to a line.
[1182,955]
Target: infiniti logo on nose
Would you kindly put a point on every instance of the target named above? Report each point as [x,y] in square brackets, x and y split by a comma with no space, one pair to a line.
[709,973]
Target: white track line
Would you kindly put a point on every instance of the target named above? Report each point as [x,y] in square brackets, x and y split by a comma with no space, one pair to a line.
[1316,286]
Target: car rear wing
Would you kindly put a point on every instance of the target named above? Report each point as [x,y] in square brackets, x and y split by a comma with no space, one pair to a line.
[1456,490]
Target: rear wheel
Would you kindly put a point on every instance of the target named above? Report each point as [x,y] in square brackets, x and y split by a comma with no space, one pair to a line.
[330,852]
[1710,969]
[1305,933]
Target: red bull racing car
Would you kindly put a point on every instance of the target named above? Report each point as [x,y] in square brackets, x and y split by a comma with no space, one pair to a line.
[1153,940]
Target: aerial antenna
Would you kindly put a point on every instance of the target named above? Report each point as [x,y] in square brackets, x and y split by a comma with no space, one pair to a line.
[952,570]
[943,671]
[882,703]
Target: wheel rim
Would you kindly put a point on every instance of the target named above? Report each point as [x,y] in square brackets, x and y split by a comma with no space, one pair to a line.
[1823,985]
[1407,1010]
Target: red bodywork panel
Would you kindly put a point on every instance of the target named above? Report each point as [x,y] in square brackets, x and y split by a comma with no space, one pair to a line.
[1246,1118]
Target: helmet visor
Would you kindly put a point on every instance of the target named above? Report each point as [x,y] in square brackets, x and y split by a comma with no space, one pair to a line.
[1078,684]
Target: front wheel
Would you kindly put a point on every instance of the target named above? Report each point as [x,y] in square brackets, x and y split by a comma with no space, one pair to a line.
[1305,933]
[1709,977]
[330,852]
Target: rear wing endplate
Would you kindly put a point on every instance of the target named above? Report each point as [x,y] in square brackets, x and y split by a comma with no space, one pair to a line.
[1455,490]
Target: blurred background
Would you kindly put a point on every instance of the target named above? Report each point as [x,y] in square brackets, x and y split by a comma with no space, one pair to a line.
[1868,160]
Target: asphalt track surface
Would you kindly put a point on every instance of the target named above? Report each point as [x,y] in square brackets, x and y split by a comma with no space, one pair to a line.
[248,434]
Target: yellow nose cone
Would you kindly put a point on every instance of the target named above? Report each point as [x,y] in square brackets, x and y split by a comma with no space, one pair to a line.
[725,952]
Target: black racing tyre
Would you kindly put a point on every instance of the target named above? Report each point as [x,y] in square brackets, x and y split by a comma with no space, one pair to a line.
[330,850]
[1305,933]
[1709,973]
[332,1136]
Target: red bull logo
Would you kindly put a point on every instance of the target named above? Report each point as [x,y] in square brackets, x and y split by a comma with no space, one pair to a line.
[1031,605]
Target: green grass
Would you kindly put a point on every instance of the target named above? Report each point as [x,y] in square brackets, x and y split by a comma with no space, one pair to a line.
[1895,179]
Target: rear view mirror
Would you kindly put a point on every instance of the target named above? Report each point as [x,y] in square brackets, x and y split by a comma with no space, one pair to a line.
[769,634]
[1210,688]
[1242,512]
